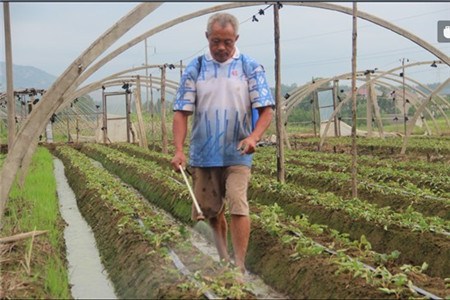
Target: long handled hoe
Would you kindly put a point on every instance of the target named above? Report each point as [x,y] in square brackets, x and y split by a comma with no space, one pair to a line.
[200,216]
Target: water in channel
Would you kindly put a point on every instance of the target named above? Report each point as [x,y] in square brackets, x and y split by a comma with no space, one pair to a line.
[87,276]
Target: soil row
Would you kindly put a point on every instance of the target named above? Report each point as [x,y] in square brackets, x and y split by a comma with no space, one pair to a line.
[427,149]
[378,193]
[136,260]
[325,180]
[416,247]
[126,168]
[436,182]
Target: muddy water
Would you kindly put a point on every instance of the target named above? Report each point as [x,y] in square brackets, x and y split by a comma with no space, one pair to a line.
[87,276]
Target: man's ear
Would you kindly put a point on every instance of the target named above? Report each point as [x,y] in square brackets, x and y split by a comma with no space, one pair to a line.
[206,34]
[235,40]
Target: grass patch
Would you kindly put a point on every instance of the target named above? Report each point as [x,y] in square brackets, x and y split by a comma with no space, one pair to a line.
[38,264]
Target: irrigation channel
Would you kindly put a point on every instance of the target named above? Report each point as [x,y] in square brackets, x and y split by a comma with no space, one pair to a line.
[87,275]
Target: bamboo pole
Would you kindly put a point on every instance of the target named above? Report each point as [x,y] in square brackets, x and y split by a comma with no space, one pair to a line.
[146,77]
[369,112]
[314,101]
[69,139]
[404,96]
[163,109]
[137,101]
[77,127]
[128,114]
[280,144]
[336,119]
[354,88]
[9,77]
[105,118]
[376,109]
[152,112]
[334,96]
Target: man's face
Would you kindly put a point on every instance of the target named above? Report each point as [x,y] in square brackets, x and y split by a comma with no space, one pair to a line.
[221,42]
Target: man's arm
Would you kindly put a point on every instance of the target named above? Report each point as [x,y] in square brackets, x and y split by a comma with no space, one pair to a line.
[179,129]
[265,117]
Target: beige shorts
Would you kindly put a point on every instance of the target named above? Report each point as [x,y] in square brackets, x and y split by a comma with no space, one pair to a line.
[215,186]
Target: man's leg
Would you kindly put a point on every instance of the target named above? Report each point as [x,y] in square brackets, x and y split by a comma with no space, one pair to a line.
[219,228]
[240,234]
[209,192]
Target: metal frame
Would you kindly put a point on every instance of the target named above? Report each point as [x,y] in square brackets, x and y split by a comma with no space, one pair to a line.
[105,114]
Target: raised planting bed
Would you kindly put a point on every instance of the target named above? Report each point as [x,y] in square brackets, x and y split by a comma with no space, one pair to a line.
[270,254]
[394,162]
[165,192]
[400,195]
[134,150]
[431,178]
[387,230]
[318,256]
[430,149]
[137,244]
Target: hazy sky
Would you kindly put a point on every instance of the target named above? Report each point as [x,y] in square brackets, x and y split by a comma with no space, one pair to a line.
[314,42]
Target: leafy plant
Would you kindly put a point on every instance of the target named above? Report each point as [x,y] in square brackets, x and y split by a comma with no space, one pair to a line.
[415,269]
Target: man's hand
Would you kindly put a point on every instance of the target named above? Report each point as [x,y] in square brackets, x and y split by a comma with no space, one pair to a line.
[247,145]
[178,159]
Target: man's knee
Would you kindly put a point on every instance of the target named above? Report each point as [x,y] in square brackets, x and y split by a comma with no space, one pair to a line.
[218,220]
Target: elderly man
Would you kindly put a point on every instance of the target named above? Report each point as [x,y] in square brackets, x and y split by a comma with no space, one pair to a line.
[224,90]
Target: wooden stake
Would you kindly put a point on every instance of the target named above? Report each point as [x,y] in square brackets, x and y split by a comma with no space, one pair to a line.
[279,121]
[404,96]
[137,101]
[163,109]
[105,118]
[152,112]
[314,100]
[354,88]
[9,78]
[376,110]
[369,112]
[130,133]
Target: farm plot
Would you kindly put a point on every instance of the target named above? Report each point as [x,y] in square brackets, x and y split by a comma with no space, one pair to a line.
[420,238]
[431,148]
[298,267]
[404,191]
[137,244]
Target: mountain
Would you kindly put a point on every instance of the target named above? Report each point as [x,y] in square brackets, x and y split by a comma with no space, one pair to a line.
[26,77]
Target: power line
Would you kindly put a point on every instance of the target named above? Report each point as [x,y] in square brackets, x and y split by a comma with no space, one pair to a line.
[260,12]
